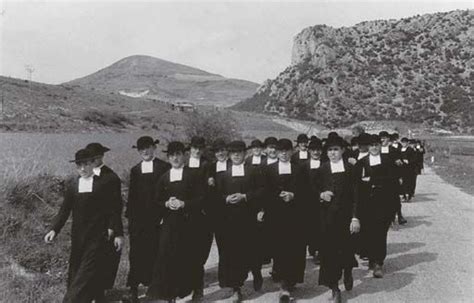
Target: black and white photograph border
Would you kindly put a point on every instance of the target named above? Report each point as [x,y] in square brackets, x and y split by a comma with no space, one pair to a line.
[225,126]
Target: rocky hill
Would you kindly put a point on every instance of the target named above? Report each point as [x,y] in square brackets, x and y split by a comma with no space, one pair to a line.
[417,69]
[153,78]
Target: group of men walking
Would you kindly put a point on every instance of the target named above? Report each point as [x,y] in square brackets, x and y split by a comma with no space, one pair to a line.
[268,202]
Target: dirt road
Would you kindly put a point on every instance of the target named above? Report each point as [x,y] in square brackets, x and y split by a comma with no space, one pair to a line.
[429,260]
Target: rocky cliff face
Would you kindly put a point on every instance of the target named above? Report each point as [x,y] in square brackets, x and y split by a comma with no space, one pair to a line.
[418,69]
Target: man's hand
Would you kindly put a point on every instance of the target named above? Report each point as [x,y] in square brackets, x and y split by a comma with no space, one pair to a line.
[399,162]
[287,196]
[118,243]
[211,181]
[110,234]
[352,161]
[355,226]
[235,198]
[50,236]
[260,216]
[327,196]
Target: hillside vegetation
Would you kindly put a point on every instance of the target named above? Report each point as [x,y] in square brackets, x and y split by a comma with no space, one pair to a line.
[417,69]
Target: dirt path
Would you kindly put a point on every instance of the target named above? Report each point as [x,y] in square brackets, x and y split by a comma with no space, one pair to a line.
[429,260]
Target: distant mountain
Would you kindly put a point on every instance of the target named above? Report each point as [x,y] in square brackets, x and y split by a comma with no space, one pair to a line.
[153,78]
[34,106]
[417,69]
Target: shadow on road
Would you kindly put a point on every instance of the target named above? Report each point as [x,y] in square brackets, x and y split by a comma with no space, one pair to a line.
[396,248]
[428,197]
[413,221]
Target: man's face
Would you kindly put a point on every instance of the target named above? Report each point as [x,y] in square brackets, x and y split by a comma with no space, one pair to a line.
[98,161]
[85,169]
[148,153]
[374,149]
[195,152]
[284,155]
[355,146]
[404,143]
[221,155]
[385,141]
[176,159]
[271,152]
[315,154]
[257,151]
[237,157]
[363,148]
[335,153]
[303,146]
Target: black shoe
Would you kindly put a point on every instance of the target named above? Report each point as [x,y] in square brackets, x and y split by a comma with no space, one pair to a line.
[134,295]
[336,295]
[275,276]
[257,280]
[198,295]
[348,279]
[284,296]
[378,271]
[402,220]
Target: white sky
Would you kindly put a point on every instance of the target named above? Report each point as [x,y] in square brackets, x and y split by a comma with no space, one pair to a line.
[65,40]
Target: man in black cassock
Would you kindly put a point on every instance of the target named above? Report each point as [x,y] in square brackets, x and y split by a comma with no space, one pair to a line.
[338,215]
[181,196]
[239,191]
[88,198]
[409,159]
[284,210]
[377,179]
[112,262]
[301,155]
[144,215]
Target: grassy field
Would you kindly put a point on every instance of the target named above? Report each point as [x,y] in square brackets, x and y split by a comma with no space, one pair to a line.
[453,160]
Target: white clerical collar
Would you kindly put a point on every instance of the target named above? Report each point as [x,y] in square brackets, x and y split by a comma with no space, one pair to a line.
[98,169]
[85,184]
[238,170]
[176,174]
[194,162]
[303,154]
[284,168]
[375,160]
[271,160]
[147,167]
[404,149]
[221,166]
[385,149]
[395,145]
[314,163]
[337,167]
[362,155]
[256,160]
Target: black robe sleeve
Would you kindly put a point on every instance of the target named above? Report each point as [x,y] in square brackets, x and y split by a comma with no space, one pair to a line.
[66,208]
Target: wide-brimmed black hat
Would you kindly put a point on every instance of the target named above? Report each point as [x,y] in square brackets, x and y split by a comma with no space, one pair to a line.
[284,144]
[355,141]
[333,135]
[335,141]
[236,146]
[315,144]
[313,137]
[394,136]
[97,149]
[83,155]
[145,142]
[256,143]
[374,139]
[198,142]
[404,139]
[364,139]
[302,138]
[384,134]
[175,147]
[218,145]
[270,141]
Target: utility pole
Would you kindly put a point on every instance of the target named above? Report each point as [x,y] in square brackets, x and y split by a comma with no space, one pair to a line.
[29,71]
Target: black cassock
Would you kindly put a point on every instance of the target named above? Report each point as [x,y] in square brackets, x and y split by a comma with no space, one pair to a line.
[285,222]
[178,261]
[408,170]
[378,190]
[112,262]
[336,247]
[237,224]
[144,217]
[91,214]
